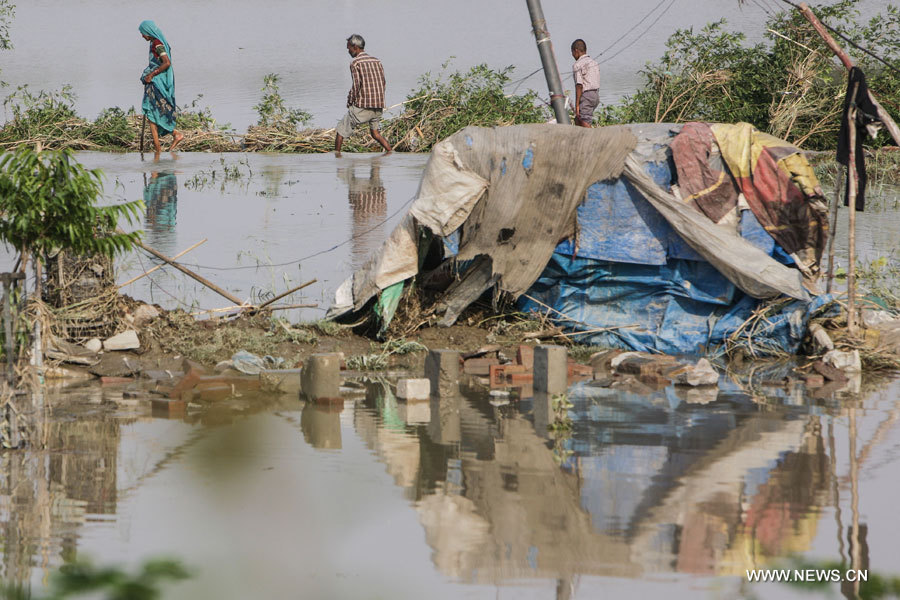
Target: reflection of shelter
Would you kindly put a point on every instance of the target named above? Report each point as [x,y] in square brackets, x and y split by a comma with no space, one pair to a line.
[46,495]
[654,485]
[368,203]
[161,199]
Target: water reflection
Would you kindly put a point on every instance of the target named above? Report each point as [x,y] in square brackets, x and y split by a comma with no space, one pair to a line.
[48,495]
[368,203]
[649,483]
[644,482]
[161,201]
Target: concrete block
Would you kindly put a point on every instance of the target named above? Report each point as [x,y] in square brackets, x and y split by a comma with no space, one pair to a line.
[414,389]
[127,340]
[442,370]
[321,376]
[550,369]
[445,426]
[845,361]
[415,412]
[702,373]
[286,381]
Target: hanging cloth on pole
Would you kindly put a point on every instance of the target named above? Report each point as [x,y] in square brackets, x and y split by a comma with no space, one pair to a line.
[866,116]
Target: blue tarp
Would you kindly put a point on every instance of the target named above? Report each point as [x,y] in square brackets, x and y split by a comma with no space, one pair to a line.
[633,274]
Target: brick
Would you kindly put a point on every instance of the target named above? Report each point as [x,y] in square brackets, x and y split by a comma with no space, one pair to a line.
[499,374]
[166,408]
[829,372]
[814,380]
[479,366]
[214,392]
[525,356]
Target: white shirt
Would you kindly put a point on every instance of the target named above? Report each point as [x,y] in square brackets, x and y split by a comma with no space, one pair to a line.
[586,72]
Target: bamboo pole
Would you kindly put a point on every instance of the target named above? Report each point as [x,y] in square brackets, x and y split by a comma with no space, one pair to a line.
[838,188]
[851,201]
[287,293]
[148,271]
[143,129]
[189,273]
[883,115]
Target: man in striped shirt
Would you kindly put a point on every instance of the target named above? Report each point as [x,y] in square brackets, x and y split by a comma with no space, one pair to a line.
[365,102]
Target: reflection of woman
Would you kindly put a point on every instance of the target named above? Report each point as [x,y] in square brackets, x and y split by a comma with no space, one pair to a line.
[161,200]
[159,86]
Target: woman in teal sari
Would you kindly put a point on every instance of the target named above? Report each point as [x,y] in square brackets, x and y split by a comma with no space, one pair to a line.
[159,86]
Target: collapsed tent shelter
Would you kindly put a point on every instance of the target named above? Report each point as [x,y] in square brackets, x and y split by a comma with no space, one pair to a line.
[653,237]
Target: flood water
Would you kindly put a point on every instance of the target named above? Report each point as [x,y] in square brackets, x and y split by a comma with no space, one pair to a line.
[278,221]
[653,492]
[223,49]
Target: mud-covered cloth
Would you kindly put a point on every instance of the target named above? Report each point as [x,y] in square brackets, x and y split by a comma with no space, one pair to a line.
[537,175]
[780,188]
[703,178]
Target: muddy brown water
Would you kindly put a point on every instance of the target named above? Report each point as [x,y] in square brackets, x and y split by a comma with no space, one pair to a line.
[671,491]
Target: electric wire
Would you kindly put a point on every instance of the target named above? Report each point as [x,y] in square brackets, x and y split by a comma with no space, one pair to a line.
[519,81]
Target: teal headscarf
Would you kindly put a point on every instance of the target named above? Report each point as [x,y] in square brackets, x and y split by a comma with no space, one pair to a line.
[149,28]
[159,103]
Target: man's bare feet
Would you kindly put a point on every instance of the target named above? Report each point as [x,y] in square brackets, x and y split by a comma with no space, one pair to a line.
[178,136]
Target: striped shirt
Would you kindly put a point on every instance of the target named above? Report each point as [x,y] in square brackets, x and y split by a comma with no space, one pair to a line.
[368,82]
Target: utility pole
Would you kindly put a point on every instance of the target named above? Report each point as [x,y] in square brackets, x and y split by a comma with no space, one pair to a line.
[551,71]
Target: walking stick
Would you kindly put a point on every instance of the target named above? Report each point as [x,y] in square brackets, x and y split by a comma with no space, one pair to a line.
[143,129]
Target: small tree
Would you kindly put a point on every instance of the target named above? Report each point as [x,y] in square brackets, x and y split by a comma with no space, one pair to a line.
[48,202]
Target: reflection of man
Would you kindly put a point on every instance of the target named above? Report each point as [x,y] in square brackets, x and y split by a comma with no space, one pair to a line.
[365,102]
[368,201]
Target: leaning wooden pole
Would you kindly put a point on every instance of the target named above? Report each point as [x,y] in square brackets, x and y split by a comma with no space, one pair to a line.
[190,273]
[883,115]
[548,60]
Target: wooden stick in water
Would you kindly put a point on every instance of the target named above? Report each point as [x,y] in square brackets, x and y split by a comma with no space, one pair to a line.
[287,293]
[839,186]
[851,201]
[148,271]
[143,129]
[190,273]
